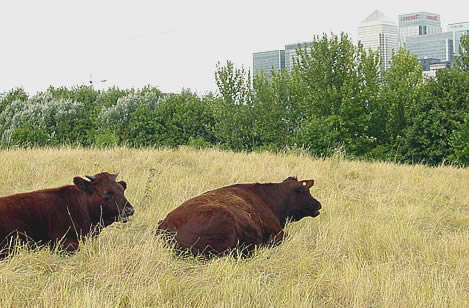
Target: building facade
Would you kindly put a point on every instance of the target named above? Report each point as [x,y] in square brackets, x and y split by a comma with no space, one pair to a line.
[416,24]
[437,46]
[290,53]
[458,30]
[378,32]
[268,61]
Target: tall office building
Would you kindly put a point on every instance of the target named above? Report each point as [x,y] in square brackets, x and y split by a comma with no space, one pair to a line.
[268,61]
[290,53]
[378,32]
[432,46]
[457,30]
[416,24]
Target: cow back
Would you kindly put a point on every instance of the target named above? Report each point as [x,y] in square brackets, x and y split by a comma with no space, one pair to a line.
[41,215]
[221,219]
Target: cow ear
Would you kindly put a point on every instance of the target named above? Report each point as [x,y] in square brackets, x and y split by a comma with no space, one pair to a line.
[305,185]
[82,184]
[124,184]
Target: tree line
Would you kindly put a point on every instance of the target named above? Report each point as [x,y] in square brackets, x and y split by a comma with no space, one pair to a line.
[335,98]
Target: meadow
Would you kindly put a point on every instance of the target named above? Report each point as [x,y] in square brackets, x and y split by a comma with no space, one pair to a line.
[388,235]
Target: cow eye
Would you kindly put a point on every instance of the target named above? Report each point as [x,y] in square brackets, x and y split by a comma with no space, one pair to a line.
[108,195]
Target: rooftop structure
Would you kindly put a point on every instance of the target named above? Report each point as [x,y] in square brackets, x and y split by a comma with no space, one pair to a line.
[378,32]
[416,24]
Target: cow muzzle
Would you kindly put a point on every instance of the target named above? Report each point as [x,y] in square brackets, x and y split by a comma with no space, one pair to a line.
[129,211]
[317,207]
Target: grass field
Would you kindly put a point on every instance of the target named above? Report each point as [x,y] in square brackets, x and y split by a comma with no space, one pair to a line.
[388,235]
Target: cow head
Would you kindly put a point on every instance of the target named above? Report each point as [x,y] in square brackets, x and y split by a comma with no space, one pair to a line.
[106,197]
[300,202]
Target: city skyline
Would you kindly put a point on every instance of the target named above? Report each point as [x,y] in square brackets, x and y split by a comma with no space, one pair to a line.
[171,45]
[419,32]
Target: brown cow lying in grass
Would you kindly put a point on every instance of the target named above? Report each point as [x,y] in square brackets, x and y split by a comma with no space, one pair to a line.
[239,216]
[65,214]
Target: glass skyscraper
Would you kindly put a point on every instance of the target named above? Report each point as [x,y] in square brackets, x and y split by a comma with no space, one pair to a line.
[268,61]
[378,32]
[415,24]
[458,30]
[432,46]
[276,60]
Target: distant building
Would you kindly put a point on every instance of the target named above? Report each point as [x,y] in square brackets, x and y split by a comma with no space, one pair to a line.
[276,60]
[427,62]
[378,32]
[431,65]
[290,53]
[416,24]
[458,30]
[268,61]
[439,66]
[437,46]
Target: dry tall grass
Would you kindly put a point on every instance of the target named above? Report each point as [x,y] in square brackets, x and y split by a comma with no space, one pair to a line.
[388,235]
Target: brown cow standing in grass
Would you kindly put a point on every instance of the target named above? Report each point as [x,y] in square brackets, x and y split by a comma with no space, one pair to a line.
[65,214]
[242,215]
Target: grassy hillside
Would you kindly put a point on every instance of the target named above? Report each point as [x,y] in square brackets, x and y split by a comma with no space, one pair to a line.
[388,235]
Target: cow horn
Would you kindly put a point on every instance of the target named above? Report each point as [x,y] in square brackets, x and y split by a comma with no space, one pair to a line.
[90,177]
[116,174]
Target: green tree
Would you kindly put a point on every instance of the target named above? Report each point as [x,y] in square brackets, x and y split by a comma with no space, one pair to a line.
[109,97]
[11,96]
[341,82]
[463,59]
[325,67]
[401,91]
[146,127]
[232,108]
[117,118]
[176,120]
[27,135]
[459,143]
[278,109]
[60,119]
[361,113]
[436,118]
[82,130]
[269,109]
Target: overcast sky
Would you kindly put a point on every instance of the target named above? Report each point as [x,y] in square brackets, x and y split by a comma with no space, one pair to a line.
[169,44]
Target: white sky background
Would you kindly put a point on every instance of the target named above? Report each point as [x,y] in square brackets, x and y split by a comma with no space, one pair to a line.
[169,44]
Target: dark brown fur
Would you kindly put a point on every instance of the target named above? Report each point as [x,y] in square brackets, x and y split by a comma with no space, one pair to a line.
[64,214]
[242,215]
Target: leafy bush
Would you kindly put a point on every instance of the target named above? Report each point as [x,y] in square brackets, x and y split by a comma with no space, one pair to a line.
[11,96]
[61,120]
[27,135]
[118,117]
[460,143]
[175,120]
